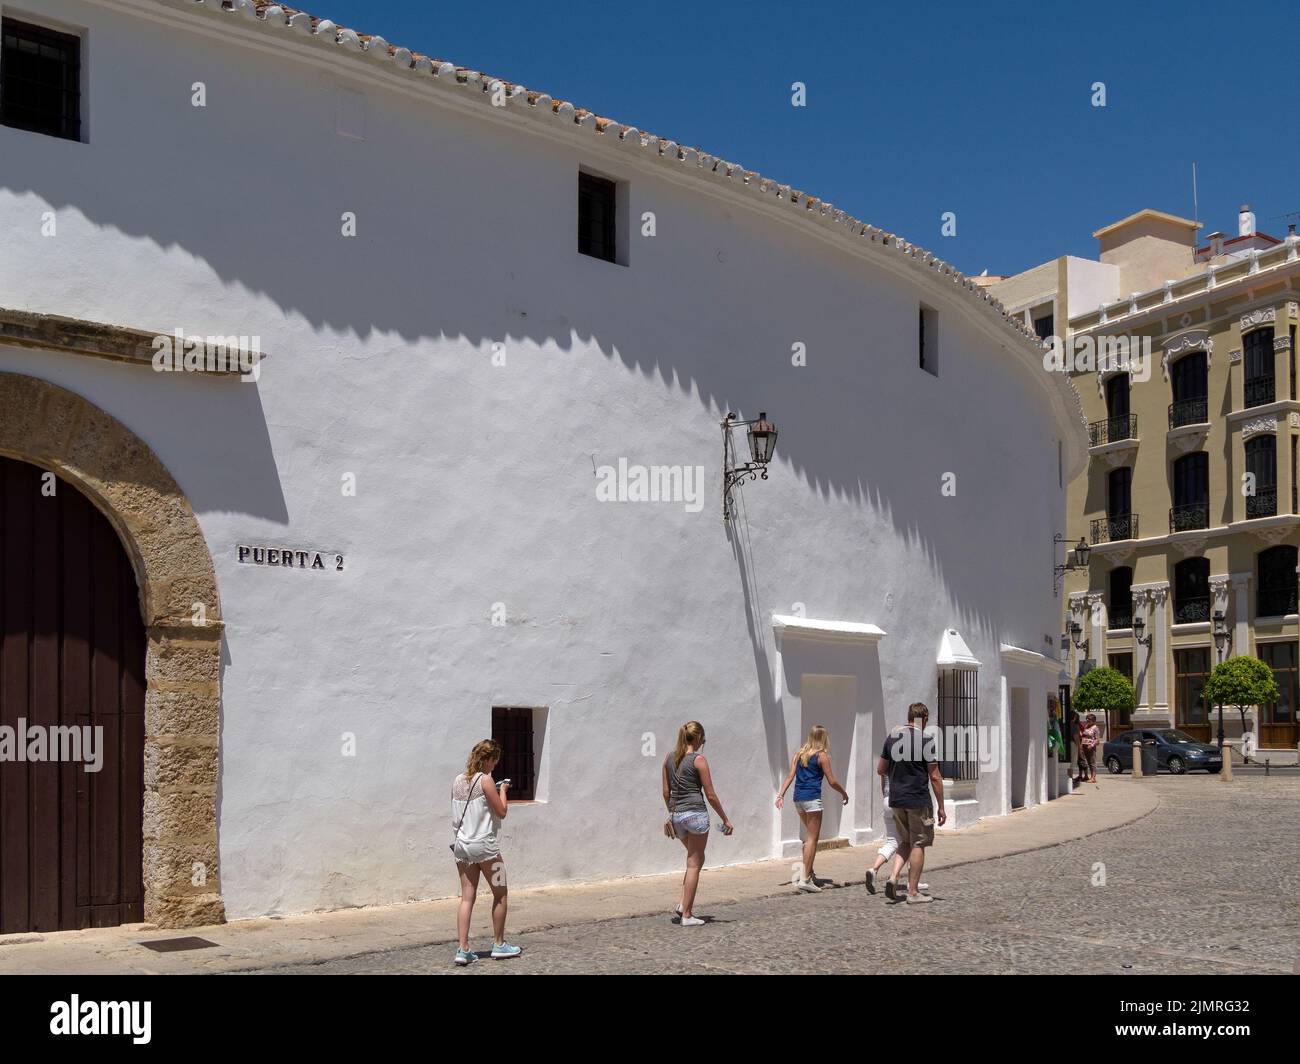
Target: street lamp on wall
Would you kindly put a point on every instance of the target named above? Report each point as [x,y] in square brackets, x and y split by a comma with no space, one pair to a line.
[1140,626]
[1081,552]
[762,444]
[1076,630]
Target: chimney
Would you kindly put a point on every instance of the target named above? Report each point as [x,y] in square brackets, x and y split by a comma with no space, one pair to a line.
[1245,221]
[1216,244]
[1290,229]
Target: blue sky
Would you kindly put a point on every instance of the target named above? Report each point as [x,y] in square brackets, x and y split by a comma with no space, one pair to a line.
[914,109]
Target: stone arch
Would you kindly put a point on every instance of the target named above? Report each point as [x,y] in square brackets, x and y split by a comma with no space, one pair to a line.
[58,430]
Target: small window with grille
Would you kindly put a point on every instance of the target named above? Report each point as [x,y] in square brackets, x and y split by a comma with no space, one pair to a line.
[597,217]
[515,728]
[40,79]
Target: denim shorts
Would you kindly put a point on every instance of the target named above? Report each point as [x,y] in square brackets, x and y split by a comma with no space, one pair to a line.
[691,822]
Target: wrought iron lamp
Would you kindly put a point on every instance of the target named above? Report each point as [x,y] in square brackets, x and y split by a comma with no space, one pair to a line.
[1081,552]
[1139,626]
[762,444]
[1076,630]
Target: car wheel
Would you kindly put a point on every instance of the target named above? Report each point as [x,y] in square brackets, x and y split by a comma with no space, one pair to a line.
[1113,764]
[1177,766]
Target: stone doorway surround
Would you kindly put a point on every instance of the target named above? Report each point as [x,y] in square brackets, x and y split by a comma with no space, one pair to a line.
[58,430]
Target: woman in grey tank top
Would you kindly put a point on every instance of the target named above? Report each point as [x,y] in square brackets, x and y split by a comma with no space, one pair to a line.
[687,784]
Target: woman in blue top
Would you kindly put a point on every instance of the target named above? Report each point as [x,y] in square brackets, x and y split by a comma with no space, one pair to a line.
[810,766]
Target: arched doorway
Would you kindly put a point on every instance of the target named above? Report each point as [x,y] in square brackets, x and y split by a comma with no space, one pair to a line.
[176,602]
[72,652]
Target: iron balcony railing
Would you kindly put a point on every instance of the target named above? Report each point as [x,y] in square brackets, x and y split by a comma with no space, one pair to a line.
[1112,430]
[1259,391]
[1275,601]
[1119,618]
[1262,504]
[1111,529]
[1190,609]
[1188,412]
[1194,515]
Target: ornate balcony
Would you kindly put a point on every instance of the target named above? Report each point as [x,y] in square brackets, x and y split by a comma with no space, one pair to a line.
[1262,504]
[1188,412]
[1190,610]
[1112,529]
[1259,391]
[1185,518]
[1112,430]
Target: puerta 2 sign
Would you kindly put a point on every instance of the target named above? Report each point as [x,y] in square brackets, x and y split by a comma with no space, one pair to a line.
[288,558]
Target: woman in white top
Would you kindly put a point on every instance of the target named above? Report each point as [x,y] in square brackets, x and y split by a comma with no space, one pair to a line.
[478,805]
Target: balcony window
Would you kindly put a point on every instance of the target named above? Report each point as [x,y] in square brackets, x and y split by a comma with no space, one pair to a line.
[1261,463]
[1192,591]
[1191,507]
[1119,598]
[1257,362]
[1190,380]
[1276,595]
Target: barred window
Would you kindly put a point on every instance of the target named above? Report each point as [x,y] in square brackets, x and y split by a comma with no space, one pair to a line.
[40,79]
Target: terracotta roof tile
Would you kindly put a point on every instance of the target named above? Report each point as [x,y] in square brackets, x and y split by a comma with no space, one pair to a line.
[532,102]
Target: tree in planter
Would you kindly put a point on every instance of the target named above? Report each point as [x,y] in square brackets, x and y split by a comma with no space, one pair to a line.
[1241,682]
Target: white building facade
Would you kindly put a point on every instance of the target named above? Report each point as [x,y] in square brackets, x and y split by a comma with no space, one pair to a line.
[453,411]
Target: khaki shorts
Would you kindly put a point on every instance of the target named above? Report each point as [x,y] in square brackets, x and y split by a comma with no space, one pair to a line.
[915,827]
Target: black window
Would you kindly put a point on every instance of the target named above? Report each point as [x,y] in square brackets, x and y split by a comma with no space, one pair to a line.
[512,727]
[927,340]
[1190,380]
[597,217]
[1119,492]
[1257,357]
[1192,590]
[1119,600]
[1119,426]
[1044,327]
[1191,507]
[40,79]
[1276,594]
[1261,461]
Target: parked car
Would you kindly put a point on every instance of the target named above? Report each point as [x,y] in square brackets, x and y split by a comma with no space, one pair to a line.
[1175,750]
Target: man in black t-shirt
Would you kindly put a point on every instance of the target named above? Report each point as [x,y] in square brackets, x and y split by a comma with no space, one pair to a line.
[908,759]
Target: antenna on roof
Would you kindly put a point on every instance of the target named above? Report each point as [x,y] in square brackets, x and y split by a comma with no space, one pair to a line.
[1196,209]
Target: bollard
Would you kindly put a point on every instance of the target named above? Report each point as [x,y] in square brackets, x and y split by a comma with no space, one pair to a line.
[1267,764]
[1225,773]
[1137,760]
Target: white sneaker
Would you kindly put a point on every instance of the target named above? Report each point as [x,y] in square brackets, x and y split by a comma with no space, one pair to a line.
[809,887]
[692,921]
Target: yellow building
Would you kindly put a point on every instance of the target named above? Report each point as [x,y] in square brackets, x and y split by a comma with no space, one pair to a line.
[1189,500]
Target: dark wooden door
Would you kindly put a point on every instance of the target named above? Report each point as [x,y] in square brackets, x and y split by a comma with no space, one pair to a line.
[72,653]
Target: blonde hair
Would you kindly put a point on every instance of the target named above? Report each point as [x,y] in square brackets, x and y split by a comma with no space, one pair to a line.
[818,743]
[487,750]
[691,732]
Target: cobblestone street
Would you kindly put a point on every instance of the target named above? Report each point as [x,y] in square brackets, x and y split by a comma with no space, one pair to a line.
[1208,882]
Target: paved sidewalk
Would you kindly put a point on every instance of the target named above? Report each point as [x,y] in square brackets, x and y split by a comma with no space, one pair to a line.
[319,937]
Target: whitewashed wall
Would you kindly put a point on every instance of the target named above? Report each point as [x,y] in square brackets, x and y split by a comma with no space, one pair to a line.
[475,483]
